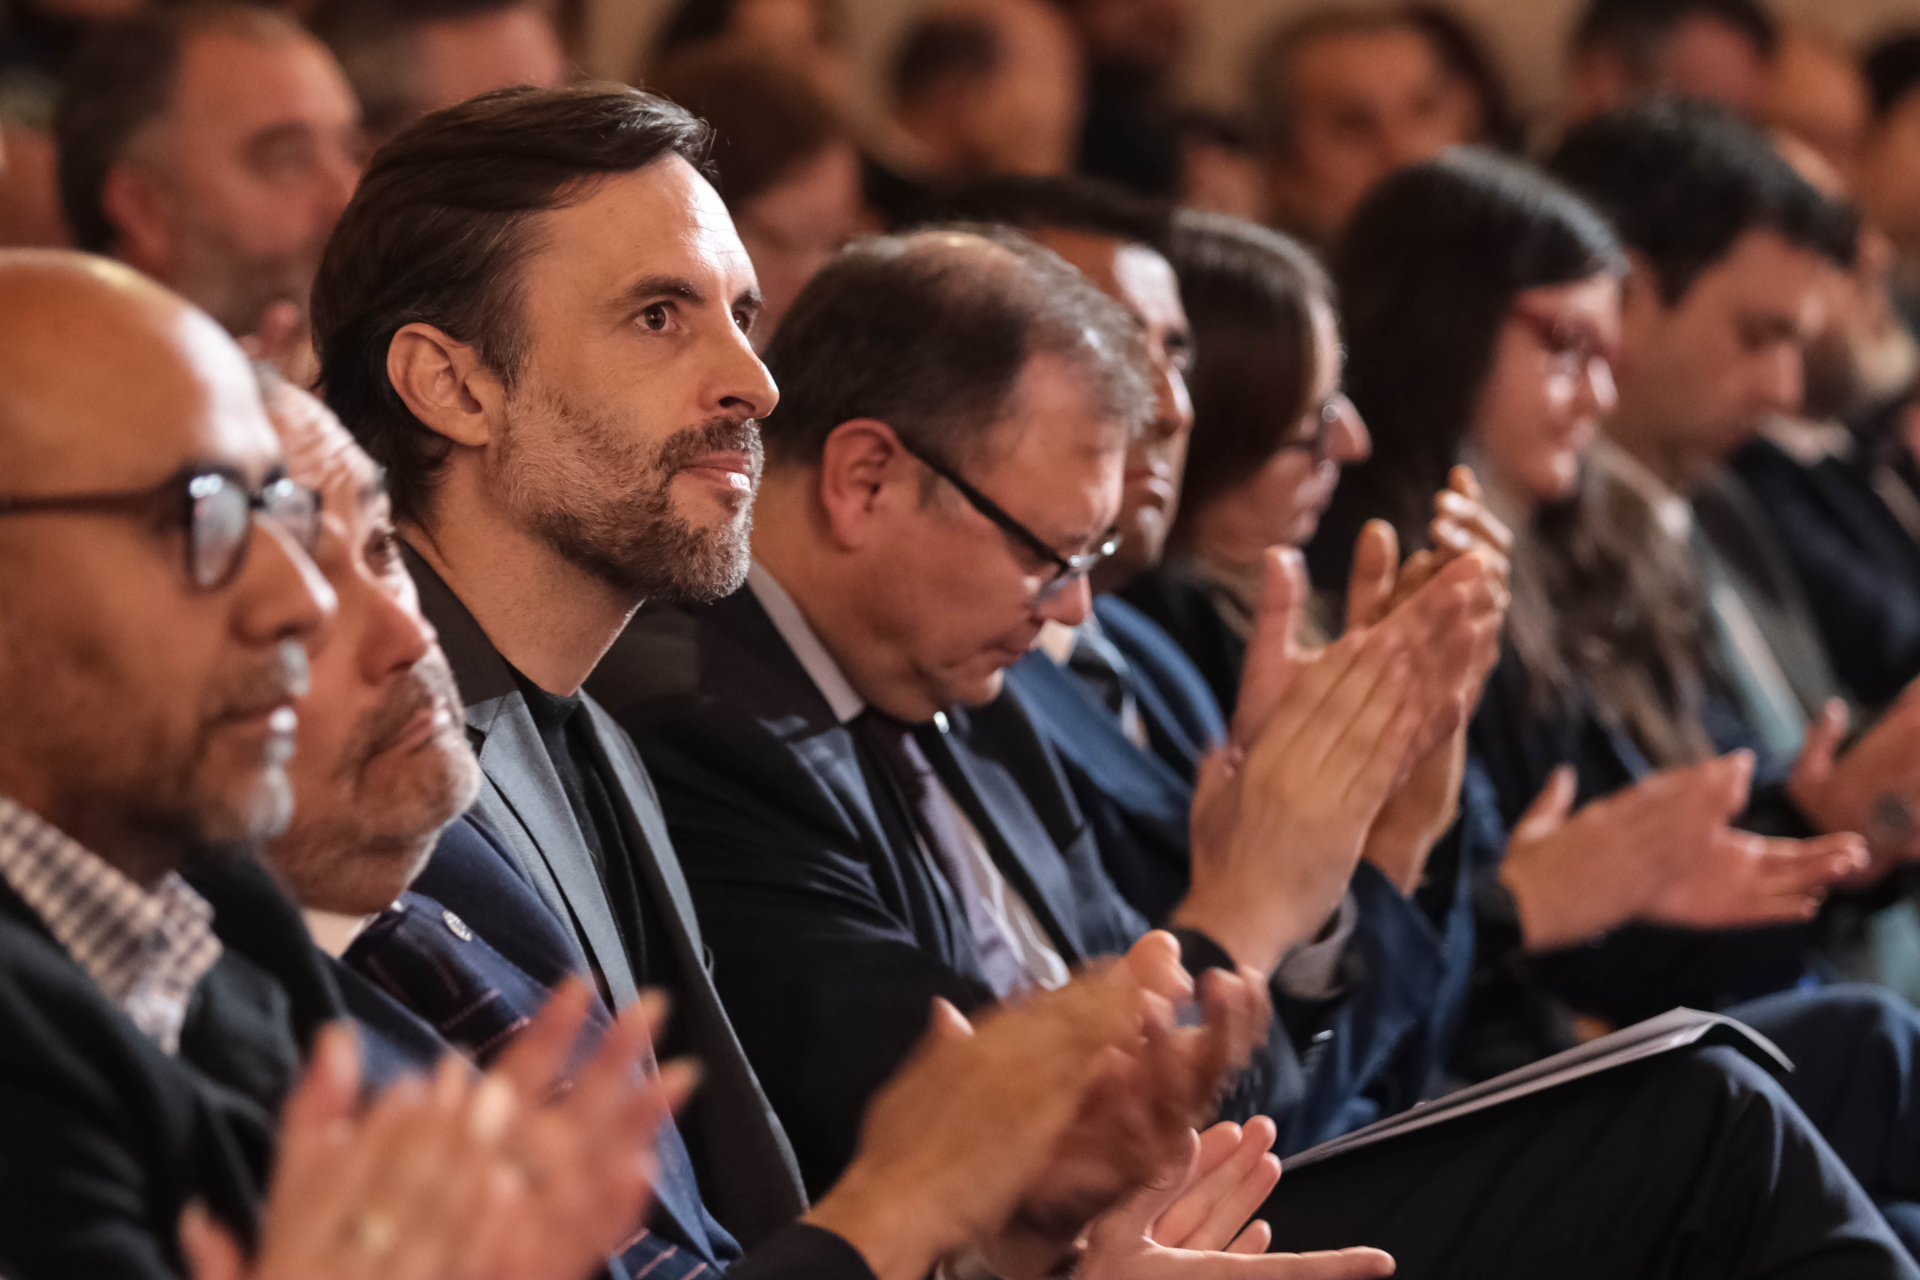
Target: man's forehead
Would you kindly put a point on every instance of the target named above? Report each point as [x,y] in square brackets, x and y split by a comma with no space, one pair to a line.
[105,397]
[663,219]
[240,82]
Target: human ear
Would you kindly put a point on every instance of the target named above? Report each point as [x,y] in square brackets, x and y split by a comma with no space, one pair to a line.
[141,217]
[443,383]
[1641,308]
[865,475]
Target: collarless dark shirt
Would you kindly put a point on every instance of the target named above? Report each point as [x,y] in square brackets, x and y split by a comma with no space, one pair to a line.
[566,730]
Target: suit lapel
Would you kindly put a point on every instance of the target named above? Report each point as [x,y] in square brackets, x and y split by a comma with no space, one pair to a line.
[522,799]
[1139,782]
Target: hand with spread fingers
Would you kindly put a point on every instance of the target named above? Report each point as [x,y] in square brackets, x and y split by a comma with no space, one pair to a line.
[466,1177]
[1010,1136]
[1662,852]
[1424,806]
[1321,739]
[1873,788]
[1191,1222]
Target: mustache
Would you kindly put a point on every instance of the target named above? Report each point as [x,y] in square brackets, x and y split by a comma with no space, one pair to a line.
[280,678]
[428,684]
[717,435]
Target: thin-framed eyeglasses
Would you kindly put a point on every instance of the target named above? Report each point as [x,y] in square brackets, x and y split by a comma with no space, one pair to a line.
[213,505]
[1318,424]
[1061,571]
[1573,348]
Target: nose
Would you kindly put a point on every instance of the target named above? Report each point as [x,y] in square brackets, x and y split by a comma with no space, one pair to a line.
[1172,406]
[283,594]
[1782,378]
[1069,606]
[1598,389]
[1348,442]
[396,637]
[742,387]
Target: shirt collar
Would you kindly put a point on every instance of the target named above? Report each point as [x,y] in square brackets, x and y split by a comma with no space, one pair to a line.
[145,949]
[1810,443]
[792,625]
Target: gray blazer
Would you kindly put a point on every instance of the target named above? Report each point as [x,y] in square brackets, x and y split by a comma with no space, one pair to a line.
[748,1175]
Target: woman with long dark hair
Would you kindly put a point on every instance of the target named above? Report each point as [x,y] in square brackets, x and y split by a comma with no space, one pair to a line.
[1482,304]
[1271,433]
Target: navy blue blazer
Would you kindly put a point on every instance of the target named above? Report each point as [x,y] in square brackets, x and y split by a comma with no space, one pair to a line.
[831,933]
[1377,1046]
[1858,566]
[499,949]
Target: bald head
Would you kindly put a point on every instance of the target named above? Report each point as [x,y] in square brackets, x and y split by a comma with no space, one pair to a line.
[88,349]
[148,716]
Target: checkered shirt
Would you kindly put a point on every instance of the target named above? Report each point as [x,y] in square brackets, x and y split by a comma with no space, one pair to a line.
[144,949]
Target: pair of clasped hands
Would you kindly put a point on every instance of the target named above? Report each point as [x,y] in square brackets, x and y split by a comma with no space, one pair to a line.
[1056,1131]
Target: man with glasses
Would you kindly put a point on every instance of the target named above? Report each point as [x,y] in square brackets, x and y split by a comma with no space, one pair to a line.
[942,476]
[155,594]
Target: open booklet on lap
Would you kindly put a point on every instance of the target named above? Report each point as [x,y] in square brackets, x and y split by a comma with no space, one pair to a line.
[1674,1029]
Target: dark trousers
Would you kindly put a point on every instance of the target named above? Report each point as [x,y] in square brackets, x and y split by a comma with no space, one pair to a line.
[1693,1165]
[1856,1058]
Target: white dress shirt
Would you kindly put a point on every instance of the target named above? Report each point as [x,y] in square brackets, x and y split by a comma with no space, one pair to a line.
[1009,911]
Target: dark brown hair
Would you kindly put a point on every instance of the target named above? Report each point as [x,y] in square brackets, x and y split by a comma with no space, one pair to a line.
[436,234]
[1605,611]
[930,333]
[1249,294]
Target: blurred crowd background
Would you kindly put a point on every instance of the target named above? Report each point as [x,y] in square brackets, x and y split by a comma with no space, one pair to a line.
[1179,98]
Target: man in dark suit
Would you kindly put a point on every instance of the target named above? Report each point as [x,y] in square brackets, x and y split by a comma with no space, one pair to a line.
[846,861]
[148,667]
[529,553]
[1131,718]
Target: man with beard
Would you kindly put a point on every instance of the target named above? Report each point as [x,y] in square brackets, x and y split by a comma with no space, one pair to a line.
[154,597]
[212,146]
[528,301]
[381,768]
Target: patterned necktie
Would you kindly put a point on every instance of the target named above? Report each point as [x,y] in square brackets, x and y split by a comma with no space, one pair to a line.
[936,821]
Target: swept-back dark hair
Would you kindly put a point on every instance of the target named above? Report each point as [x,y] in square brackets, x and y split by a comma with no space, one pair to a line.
[930,333]
[1683,181]
[1428,271]
[121,81]
[1604,607]
[1249,293]
[436,234]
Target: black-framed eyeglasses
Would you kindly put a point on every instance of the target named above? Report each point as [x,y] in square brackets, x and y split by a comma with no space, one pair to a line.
[1064,570]
[1317,439]
[214,505]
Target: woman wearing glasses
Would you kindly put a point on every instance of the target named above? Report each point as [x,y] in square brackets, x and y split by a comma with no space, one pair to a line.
[1271,432]
[1482,303]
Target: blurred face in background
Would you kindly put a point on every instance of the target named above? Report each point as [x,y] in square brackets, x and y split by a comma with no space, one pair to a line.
[1548,388]
[1889,172]
[229,197]
[791,228]
[1365,103]
[1143,282]
[1698,377]
[1281,503]
[1021,115]
[1702,57]
[463,58]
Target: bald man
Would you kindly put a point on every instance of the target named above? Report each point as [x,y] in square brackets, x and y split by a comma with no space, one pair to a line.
[155,594]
